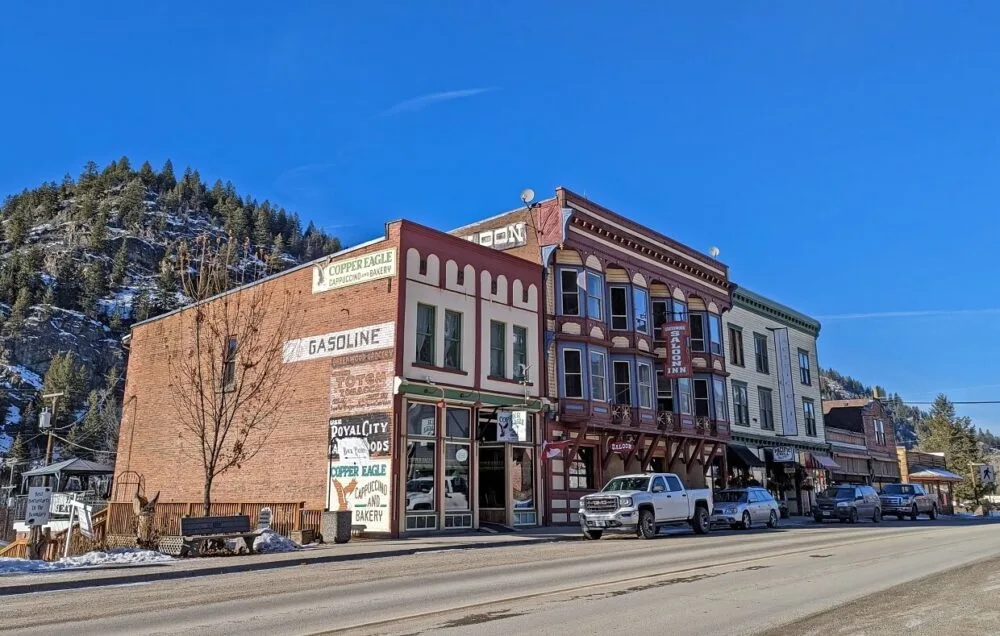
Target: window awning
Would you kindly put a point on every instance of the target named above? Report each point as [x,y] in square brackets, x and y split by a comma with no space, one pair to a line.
[826,461]
[744,456]
[933,474]
[852,456]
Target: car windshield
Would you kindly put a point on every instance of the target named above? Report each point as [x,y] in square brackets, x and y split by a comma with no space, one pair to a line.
[898,489]
[732,496]
[627,483]
[839,493]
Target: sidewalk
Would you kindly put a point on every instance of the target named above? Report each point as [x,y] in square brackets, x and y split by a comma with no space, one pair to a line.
[327,553]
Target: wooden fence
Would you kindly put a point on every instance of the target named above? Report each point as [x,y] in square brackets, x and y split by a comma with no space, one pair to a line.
[55,546]
[285,517]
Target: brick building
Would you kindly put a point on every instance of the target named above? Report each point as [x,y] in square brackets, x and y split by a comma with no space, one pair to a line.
[863,441]
[611,288]
[777,415]
[416,361]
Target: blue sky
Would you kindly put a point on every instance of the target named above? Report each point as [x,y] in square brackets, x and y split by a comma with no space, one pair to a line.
[843,156]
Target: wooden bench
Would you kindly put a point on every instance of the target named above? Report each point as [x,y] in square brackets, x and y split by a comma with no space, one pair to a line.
[196,531]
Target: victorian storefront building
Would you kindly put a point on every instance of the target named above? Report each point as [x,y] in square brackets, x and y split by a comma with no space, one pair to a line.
[778,434]
[633,342]
[863,441]
[416,377]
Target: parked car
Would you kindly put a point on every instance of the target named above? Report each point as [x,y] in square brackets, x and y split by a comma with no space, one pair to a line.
[420,493]
[743,507]
[908,499]
[848,503]
[642,504]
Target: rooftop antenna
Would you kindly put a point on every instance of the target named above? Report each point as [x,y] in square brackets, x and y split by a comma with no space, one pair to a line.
[527,196]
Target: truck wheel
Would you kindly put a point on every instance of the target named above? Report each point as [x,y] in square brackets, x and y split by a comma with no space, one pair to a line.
[647,524]
[746,521]
[592,535]
[933,512]
[700,523]
[914,513]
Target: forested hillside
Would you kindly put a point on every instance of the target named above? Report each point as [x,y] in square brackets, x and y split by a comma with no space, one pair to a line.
[83,259]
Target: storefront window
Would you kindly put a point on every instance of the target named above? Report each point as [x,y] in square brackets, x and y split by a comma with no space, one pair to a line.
[420,476]
[581,470]
[421,420]
[522,481]
[456,477]
[457,423]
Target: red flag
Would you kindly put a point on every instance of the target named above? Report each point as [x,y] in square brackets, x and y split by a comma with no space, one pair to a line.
[554,449]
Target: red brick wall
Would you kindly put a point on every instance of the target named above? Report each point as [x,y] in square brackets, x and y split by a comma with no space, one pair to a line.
[294,464]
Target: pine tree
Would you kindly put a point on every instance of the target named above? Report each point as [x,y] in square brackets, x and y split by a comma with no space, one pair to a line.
[19,311]
[67,283]
[18,226]
[133,204]
[167,179]
[141,306]
[65,375]
[18,451]
[955,436]
[120,265]
[147,176]
[95,286]
[166,286]
[89,175]
[262,226]
[99,231]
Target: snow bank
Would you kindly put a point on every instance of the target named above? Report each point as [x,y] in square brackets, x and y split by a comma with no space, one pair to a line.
[91,559]
[271,541]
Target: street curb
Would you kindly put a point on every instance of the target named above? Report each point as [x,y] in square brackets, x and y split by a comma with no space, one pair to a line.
[124,579]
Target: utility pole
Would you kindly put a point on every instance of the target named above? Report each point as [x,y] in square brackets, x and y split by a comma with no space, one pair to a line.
[45,422]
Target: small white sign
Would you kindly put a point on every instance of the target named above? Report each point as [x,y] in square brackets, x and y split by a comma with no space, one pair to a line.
[427,427]
[353,449]
[461,454]
[505,427]
[39,500]
[84,515]
[354,270]
[987,475]
[520,419]
[784,454]
[341,343]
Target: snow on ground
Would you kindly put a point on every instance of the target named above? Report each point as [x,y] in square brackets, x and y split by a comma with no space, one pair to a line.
[271,541]
[26,374]
[91,559]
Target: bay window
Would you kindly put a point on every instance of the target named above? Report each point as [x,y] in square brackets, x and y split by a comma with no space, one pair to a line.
[598,377]
[661,316]
[572,373]
[640,309]
[697,322]
[645,386]
[715,334]
[569,292]
[623,382]
[619,308]
[680,309]
[719,399]
[664,392]
[702,398]
[684,396]
[595,297]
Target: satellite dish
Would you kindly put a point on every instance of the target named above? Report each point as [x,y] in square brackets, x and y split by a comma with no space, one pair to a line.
[714,252]
[527,195]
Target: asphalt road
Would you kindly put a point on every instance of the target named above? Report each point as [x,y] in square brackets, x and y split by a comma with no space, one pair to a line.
[728,582]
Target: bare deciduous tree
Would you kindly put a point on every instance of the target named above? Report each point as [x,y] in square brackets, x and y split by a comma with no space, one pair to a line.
[230,385]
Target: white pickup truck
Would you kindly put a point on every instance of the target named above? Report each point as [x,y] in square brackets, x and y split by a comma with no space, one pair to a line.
[641,504]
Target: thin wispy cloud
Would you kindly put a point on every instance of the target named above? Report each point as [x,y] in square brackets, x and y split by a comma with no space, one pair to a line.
[910,314]
[418,103]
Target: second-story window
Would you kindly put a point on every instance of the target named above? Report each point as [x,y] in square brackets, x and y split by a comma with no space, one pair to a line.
[229,364]
[760,352]
[766,409]
[680,310]
[498,349]
[520,353]
[664,392]
[719,399]
[684,396]
[805,374]
[595,297]
[661,316]
[623,382]
[572,373]
[640,309]
[452,339]
[715,333]
[425,334]
[736,346]
[569,292]
[880,432]
[697,322]
[645,386]
[809,414]
[702,400]
[741,404]
[598,377]
[619,308]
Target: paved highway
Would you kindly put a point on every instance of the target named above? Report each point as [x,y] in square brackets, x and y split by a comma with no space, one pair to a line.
[727,582]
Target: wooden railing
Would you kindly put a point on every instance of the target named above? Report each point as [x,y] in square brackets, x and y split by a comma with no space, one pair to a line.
[54,548]
[285,517]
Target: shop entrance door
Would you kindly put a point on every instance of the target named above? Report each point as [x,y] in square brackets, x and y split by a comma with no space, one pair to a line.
[492,484]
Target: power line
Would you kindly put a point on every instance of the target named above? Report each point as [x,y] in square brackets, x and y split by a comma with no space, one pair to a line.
[956,402]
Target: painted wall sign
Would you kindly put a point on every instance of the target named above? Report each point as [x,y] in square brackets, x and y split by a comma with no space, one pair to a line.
[365,490]
[340,343]
[678,364]
[354,270]
[786,386]
[502,238]
[512,426]
[783,454]
[360,438]
[363,388]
